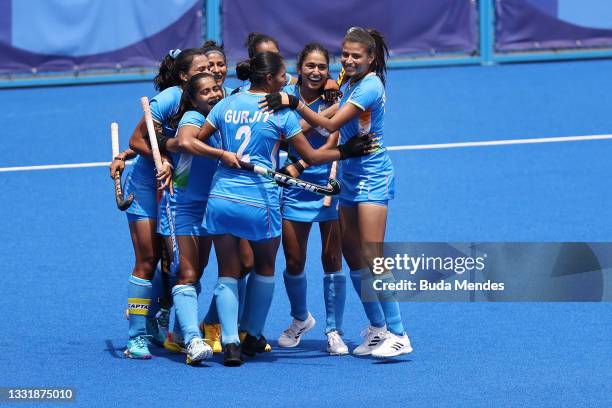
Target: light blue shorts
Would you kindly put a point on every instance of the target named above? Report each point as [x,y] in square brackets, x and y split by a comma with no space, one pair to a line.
[304,206]
[190,217]
[144,188]
[248,220]
[367,187]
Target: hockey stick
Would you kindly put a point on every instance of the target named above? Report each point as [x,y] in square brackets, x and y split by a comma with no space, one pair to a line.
[333,188]
[158,165]
[122,203]
[332,173]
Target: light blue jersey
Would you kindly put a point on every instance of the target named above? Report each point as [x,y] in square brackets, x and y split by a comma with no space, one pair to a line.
[242,203]
[193,174]
[371,177]
[298,204]
[227,91]
[255,137]
[141,180]
[163,106]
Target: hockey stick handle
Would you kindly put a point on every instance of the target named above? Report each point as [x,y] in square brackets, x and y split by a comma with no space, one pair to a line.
[122,204]
[332,175]
[146,108]
[334,168]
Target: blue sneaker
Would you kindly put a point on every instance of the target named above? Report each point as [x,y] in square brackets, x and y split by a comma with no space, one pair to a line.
[153,333]
[138,348]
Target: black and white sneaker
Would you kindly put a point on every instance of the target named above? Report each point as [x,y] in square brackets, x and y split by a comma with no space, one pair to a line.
[393,345]
[292,336]
[372,338]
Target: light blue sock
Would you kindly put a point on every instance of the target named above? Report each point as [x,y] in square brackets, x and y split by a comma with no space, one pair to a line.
[226,294]
[139,300]
[334,293]
[248,303]
[157,291]
[186,309]
[177,327]
[373,310]
[242,284]
[296,292]
[260,290]
[390,307]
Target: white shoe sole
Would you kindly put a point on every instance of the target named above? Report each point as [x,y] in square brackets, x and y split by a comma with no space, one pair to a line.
[338,353]
[367,353]
[306,330]
[206,354]
[404,350]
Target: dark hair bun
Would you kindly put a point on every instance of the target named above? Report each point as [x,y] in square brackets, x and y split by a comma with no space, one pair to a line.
[243,70]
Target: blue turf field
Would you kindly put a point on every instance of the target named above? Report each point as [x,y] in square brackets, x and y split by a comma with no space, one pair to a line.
[66,253]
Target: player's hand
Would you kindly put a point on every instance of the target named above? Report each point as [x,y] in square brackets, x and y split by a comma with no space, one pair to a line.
[164,177]
[279,100]
[117,165]
[293,169]
[285,171]
[331,91]
[359,146]
[230,160]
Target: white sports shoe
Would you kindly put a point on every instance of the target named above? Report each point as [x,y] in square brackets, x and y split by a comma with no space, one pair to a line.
[198,350]
[335,344]
[393,345]
[373,336]
[292,336]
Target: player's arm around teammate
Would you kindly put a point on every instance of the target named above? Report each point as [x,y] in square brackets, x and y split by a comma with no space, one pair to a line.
[244,205]
[367,182]
[192,180]
[301,208]
[143,290]
[210,327]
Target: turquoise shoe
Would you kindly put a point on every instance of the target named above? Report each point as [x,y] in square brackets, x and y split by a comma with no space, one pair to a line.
[138,348]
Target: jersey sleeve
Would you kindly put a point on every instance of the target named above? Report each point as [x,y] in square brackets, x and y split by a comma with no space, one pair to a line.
[215,116]
[192,118]
[367,93]
[291,125]
[163,105]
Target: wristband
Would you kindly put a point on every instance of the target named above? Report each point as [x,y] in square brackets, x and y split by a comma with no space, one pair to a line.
[119,158]
[298,166]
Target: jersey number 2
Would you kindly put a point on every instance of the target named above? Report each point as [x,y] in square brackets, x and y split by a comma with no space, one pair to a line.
[246,132]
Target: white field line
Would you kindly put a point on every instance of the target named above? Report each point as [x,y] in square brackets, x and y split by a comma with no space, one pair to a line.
[390,148]
[500,142]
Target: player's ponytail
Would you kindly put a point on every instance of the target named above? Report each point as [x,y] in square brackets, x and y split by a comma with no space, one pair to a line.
[173,64]
[381,53]
[165,78]
[243,70]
